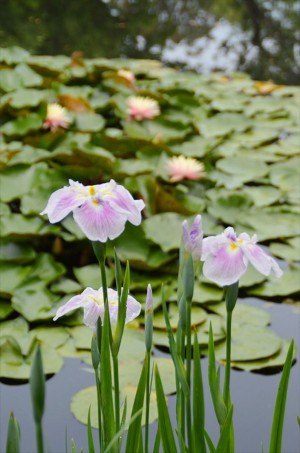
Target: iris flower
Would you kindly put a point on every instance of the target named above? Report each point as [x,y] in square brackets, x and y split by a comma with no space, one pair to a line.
[93,305]
[181,167]
[192,237]
[140,108]
[56,117]
[226,257]
[101,211]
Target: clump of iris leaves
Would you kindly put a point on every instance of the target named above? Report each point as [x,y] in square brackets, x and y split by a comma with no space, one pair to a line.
[245,133]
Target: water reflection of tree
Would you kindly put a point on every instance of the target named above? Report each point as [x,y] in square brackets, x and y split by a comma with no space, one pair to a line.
[136,28]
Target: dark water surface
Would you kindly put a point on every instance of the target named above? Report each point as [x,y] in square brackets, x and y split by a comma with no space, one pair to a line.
[260,37]
[253,396]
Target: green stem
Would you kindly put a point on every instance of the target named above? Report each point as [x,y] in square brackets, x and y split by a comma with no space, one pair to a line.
[228,358]
[147,404]
[117,391]
[182,397]
[39,437]
[99,410]
[188,373]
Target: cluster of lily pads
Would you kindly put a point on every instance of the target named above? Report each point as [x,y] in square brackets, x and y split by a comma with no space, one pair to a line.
[244,133]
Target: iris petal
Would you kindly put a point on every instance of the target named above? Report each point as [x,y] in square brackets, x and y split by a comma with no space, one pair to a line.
[62,202]
[260,260]
[225,266]
[99,222]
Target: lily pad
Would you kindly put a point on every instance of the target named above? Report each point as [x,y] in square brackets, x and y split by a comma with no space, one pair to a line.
[250,342]
[164,230]
[287,285]
[198,316]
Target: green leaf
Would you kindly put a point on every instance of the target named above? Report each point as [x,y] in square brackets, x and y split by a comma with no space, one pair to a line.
[37,386]
[288,284]
[198,401]
[165,230]
[279,410]
[134,432]
[165,426]
[13,435]
[89,122]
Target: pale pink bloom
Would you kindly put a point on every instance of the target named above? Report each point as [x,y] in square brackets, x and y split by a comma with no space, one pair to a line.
[192,237]
[93,304]
[182,167]
[126,74]
[56,117]
[140,108]
[101,211]
[226,257]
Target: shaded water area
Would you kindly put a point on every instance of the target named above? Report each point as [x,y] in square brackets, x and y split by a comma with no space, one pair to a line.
[259,37]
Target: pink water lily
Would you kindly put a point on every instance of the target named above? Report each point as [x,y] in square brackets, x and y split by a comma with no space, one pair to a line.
[226,257]
[193,237]
[141,107]
[56,117]
[101,211]
[92,303]
[181,167]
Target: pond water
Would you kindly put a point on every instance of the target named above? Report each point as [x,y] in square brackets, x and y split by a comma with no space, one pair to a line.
[260,37]
[253,396]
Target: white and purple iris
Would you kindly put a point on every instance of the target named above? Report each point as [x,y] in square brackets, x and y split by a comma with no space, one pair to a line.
[226,257]
[93,304]
[101,211]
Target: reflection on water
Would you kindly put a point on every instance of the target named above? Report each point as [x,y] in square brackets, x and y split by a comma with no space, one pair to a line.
[257,36]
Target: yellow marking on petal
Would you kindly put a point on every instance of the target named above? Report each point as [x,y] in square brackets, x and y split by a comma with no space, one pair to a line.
[92,190]
[233,247]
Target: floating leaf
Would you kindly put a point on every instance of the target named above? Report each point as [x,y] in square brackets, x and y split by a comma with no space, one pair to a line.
[250,342]
[288,284]
[164,230]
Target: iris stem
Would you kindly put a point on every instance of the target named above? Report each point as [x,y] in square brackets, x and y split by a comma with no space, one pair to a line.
[39,437]
[98,387]
[188,372]
[147,403]
[117,391]
[228,358]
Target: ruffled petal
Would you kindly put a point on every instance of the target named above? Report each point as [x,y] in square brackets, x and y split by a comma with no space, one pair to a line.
[92,312]
[260,259]
[133,309]
[124,203]
[99,221]
[63,201]
[75,302]
[225,266]
[212,244]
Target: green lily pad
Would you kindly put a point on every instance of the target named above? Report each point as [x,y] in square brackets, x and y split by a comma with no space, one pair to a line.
[13,55]
[263,195]
[164,230]
[250,342]
[34,303]
[198,316]
[243,314]
[288,251]
[15,366]
[82,336]
[223,124]
[5,309]
[17,328]
[90,276]
[274,362]
[248,169]
[89,122]
[28,77]
[11,277]
[288,284]
[9,80]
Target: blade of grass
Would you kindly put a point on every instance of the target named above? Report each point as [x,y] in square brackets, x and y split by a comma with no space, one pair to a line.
[225,433]
[198,401]
[279,410]
[135,429]
[165,427]
[90,433]
[209,442]
[13,435]
[106,384]
[214,382]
